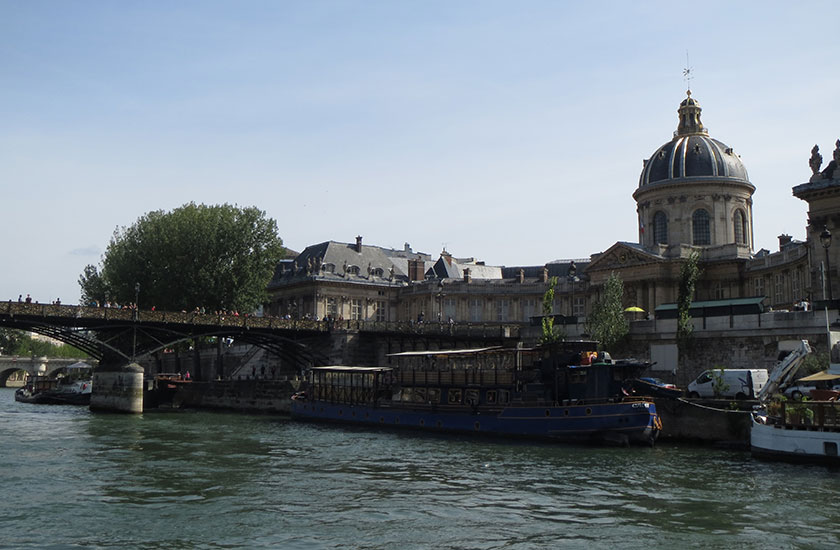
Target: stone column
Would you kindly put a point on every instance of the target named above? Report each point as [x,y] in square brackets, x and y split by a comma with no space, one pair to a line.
[118,389]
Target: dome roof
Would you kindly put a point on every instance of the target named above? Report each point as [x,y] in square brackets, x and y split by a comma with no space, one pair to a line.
[692,154]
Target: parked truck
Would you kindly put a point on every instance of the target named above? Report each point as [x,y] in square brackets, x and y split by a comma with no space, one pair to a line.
[732,383]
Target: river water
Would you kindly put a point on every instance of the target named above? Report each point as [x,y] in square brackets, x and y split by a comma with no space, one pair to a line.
[183,480]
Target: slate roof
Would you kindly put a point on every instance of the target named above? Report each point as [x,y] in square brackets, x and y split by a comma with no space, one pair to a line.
[327,261]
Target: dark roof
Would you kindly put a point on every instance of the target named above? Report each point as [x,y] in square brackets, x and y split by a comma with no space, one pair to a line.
[328,260]
[692,155]
[715,308]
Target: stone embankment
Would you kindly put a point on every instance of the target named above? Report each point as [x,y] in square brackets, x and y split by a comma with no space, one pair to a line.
[247,396]
[705,421]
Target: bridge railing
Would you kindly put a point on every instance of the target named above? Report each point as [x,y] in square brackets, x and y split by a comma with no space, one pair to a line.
[465,330]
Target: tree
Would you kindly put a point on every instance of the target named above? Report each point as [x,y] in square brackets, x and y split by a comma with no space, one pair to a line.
[216,257]
[607,323]
[10,340]
[689,273]
[549,332]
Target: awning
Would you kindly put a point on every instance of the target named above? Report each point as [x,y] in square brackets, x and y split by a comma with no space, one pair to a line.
[715,308]
[823,375]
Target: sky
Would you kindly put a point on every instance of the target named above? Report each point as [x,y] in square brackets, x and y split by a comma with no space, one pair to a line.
[511,132]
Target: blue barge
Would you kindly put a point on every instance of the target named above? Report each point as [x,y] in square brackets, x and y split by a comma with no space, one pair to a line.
[539,393]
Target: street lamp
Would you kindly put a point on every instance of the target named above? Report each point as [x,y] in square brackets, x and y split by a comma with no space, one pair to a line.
[136,312]
[572,279]
[825,240]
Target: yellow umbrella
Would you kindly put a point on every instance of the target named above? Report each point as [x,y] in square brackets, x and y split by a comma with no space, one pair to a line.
[634,309]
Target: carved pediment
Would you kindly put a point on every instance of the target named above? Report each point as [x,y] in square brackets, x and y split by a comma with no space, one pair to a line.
[621,256]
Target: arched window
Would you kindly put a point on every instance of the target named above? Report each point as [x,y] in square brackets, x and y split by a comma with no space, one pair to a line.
[740,224]
[660,228]
[700,228]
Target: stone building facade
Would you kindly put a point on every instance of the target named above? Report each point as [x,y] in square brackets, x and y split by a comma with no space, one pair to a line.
[693,195]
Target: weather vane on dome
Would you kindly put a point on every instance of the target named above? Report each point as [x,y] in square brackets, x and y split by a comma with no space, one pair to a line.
[687,73]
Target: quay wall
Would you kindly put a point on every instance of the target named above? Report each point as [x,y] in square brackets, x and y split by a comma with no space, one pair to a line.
[248,396]
[706,421]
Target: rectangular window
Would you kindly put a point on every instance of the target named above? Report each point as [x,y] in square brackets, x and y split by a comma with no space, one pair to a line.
[380,311]
[579,306]
[759,286]
[332,307]
[502,309]
[780,288]
[719,291]
[529,308]
[449,309]
[476,315]
[796,284]
[356,309]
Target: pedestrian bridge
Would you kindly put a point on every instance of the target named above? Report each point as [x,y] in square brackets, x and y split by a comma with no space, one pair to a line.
[118,336]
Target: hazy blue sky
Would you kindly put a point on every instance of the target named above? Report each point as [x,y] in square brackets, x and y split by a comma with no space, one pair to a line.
[513,132]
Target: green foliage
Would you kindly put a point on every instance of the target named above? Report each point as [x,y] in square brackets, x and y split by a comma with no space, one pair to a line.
[16,342]
[550,333]
[813,363]
[10,340]
[801,409]
[607,323]
[216,257]
[689,274]
[719,385]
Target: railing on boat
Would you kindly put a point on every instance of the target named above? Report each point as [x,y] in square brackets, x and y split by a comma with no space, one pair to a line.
[811,414]
[455,378]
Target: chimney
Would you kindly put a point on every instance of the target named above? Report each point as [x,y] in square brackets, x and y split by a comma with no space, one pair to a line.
[359,243]
[467,276]
[784,240]
[415,270]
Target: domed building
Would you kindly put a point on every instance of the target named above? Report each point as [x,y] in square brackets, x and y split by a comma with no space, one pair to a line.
[694,191]
[694,195]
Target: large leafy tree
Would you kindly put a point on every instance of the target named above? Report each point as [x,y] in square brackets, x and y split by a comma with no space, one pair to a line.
[215,257]
[607,323]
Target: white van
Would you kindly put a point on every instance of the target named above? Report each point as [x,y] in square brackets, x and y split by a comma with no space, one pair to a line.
[742,383]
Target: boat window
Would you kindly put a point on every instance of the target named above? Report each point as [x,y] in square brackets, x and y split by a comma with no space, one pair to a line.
[471,397]
[577,376]
[491,396]
[433,395]
[504,396]
[454,396]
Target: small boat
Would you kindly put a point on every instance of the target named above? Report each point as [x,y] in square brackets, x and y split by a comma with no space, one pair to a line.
[539,393]
[73,388]
[807,431]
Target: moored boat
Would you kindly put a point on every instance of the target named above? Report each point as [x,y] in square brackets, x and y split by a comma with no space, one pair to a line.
[532,393]
[72,388]
[807,431]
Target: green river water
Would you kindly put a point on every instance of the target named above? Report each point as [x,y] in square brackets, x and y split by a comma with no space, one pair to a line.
[188,479]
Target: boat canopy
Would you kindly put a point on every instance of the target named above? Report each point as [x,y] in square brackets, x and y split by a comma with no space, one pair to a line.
[433,353]
[714,308]
[822,375]
[339,368]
